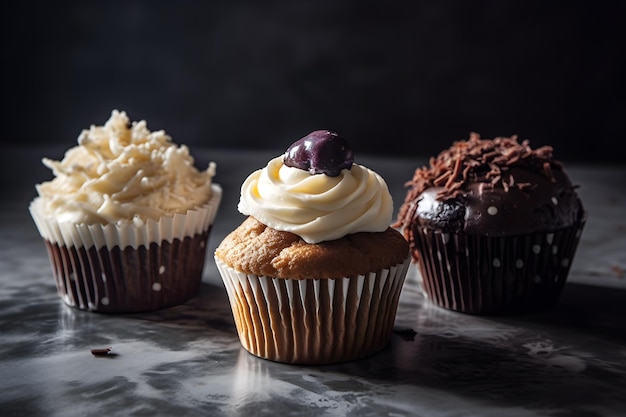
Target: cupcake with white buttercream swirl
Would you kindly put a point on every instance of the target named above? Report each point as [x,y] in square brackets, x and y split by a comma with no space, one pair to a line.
[126,219]
[315,271]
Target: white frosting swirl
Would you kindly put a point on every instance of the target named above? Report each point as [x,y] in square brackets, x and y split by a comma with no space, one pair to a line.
[123,172]
[317,207]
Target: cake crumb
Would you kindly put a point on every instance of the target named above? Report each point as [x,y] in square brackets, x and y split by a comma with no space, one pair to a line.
[100,351]
[406,334]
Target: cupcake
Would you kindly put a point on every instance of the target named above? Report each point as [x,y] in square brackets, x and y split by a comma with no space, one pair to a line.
[314,273]
[126,219]
[493,226]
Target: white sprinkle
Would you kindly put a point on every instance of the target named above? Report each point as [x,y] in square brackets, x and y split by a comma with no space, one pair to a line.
[492,210]
[537,279]
[555,201]
[72,276]
[439,255]
[519,263]
[202,244]
[496,262]
[156,286]
[161,270]
[555,249]
[565,262]
[536,249]
[103,277]
[550,237]
[445,238]
[105,301]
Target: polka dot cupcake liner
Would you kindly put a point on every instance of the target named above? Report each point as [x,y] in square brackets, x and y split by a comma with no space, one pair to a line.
[314,321]
[129,268]
[496,275]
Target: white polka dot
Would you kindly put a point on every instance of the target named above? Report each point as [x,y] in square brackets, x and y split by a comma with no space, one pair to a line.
[161,269]
[565,262]
[555,201]
[555,249]
[156,286]
[519,263]
[496,262]
[536,249]
[550,237]
[105,301]
[445,238]
[492,210]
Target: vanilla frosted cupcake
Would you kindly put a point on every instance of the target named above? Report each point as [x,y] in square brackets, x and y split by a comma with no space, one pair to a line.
[126,219]
[315,272]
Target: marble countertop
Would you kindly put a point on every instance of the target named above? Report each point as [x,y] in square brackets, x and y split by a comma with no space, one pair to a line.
[187,360]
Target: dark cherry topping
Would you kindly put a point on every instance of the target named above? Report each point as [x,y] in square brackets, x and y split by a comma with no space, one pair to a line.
[320,152]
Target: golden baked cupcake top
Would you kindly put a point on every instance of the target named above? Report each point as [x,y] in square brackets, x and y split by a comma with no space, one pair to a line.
[314,213]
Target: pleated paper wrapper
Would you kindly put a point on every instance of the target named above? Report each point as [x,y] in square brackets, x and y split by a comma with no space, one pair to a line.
[124,268]
[496,275]
[314,321]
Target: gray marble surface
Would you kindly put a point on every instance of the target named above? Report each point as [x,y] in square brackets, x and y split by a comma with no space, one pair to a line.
[187,360]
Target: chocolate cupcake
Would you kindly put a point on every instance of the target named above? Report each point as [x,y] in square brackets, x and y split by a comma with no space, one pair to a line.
[126,219]
[314,273]
[493,226]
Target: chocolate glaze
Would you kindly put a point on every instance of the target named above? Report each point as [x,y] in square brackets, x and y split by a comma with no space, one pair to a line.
[493,187]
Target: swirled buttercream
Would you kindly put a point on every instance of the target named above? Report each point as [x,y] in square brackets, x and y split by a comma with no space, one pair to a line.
[123,172]
[317,207]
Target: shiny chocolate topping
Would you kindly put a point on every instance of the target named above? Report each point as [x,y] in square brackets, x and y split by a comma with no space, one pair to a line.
[487,187]
[320,152]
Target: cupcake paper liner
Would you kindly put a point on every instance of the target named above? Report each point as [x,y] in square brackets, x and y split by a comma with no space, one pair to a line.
[314,321]
[496,275]
[128,268]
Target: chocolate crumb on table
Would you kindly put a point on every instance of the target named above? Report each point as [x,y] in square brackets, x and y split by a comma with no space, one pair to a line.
[100,351]
[406,334]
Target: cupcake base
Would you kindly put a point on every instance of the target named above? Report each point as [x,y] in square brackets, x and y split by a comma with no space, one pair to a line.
[129,280]
[495,275]
[314,321]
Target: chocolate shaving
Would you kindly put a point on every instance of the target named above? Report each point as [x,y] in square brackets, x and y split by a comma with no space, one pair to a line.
[483,161]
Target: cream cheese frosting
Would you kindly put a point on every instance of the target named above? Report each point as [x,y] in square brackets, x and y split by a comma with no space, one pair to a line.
[121,172]
[317,207]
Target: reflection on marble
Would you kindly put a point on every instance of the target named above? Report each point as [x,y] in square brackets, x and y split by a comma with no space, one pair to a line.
[187,360]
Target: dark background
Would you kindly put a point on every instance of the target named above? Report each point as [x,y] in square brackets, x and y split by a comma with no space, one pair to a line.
[394,77]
